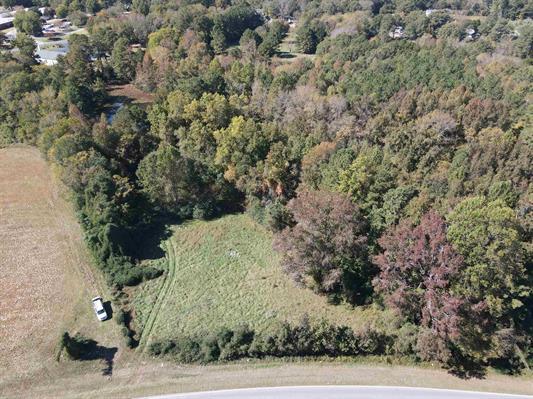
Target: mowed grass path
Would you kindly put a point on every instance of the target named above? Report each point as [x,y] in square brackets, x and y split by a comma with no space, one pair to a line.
[225,275]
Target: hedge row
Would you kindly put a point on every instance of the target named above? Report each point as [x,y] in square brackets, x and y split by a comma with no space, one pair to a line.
[283,340]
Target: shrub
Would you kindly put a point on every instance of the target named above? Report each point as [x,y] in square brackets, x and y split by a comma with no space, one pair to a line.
[374,342]
[120,317]
[277,216]
[210,349]
[187,350]
[130,342]
[78,18]
[239,344]
[405,342]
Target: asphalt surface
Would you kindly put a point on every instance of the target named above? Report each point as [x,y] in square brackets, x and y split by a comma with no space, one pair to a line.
[340,392]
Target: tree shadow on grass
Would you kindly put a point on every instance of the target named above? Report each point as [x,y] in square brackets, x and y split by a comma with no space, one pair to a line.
[146,241]
[466,373]
[286,55]
[81,348]
[99,352]
[465,367]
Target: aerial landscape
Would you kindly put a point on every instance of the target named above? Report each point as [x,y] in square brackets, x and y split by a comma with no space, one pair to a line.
[266,199]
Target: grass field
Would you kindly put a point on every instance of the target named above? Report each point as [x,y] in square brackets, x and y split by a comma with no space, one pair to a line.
[224,273]
[46,277]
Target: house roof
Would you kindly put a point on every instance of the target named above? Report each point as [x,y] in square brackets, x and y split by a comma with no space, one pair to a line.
[51,55]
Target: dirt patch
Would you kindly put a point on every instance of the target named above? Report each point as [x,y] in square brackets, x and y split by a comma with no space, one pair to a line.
[129,93]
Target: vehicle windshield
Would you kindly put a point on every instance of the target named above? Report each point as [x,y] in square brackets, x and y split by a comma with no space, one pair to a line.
[101,311]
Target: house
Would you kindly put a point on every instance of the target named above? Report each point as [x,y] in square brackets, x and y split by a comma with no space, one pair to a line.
[48,54]
[6,22]
[397,32]
[471,34]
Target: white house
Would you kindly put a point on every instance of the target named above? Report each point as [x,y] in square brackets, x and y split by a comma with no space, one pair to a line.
[48,55]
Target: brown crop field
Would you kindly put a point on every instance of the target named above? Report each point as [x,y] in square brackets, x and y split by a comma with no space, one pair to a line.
[46,278]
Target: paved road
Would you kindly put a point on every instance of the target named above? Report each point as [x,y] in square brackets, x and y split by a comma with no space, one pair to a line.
[340,392]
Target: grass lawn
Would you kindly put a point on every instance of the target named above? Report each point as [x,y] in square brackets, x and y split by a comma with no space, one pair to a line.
[224,273]
[288,48]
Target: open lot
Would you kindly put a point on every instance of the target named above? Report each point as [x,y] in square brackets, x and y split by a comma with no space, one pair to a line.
[288,48]
[46,276]
[128,93]
[224,273]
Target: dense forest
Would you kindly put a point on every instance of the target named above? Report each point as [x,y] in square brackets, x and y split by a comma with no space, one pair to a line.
[391,155]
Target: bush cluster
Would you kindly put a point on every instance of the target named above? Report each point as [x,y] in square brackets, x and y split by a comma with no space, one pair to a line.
[124,319]
[283,340]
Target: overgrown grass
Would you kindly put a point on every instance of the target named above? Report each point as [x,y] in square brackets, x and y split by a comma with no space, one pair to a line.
[146,295]
[226,275]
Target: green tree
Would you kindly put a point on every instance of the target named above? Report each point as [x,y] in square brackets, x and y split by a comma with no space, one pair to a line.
[167,178]
[141,6]
[271,40]
[368,178]
[309,35]
[62,11]
[122,60]
[91,6]
[218,38]
[27,47]
[78,83]
[202,118]
[78,18]
[28,22]
[486,234]
[181,185]
[239,147]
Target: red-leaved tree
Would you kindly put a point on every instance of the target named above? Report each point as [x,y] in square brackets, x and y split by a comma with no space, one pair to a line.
[416,270]
[326,247]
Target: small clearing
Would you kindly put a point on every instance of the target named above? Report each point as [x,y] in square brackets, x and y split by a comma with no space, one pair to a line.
[128,93]
[224,273]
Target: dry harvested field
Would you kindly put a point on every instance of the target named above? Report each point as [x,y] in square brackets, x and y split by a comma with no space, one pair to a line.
[46,278]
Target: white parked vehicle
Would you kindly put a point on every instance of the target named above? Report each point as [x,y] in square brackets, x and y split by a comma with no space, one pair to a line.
[98,307]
